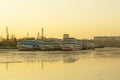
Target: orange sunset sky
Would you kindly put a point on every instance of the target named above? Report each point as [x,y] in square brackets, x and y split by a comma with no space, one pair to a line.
[79,18]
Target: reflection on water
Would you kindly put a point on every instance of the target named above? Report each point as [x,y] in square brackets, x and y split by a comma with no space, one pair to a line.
[19,56]
[99,64]
[15,56]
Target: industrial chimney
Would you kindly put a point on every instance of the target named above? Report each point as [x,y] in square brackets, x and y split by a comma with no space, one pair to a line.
[7,34]
[42,37]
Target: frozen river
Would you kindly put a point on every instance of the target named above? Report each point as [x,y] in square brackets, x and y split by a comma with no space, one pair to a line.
[99,64]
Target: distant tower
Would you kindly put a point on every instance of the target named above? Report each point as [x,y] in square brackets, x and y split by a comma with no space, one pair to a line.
[7,34]
[27,35]
[42,34]
[65,36]
[38,36]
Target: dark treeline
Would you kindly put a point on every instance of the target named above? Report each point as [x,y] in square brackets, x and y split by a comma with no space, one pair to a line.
[11,43]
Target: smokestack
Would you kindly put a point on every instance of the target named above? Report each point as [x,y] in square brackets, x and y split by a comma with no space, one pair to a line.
[7,34]
[38,36]
[42,33]
[27,35]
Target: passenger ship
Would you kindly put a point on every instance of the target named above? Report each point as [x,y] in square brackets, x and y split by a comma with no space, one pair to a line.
[53,44]
[29,45]
[71,44]
[50,44]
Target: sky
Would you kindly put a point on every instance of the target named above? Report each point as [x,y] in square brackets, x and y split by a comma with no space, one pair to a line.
[79,18]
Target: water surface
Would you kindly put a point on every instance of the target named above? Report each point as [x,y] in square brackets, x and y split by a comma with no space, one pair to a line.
[99,64]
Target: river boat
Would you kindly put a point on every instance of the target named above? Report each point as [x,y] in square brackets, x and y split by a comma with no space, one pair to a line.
[28,45]
[50,44]
[71,44]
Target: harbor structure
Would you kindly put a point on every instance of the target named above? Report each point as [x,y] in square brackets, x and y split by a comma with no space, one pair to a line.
[27,35]
[38,36]
[107,38]
[65,36]
[7,34]
[107,41]
[52,44]
[42,37]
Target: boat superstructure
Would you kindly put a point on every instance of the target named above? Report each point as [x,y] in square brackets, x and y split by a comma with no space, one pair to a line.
[70,44]
[53,44]
[50,44]
[28,44]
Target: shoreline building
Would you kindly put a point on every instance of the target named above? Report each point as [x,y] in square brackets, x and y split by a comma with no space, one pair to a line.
[107,41]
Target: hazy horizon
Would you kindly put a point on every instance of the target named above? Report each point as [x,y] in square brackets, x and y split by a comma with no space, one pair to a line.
[79,18]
